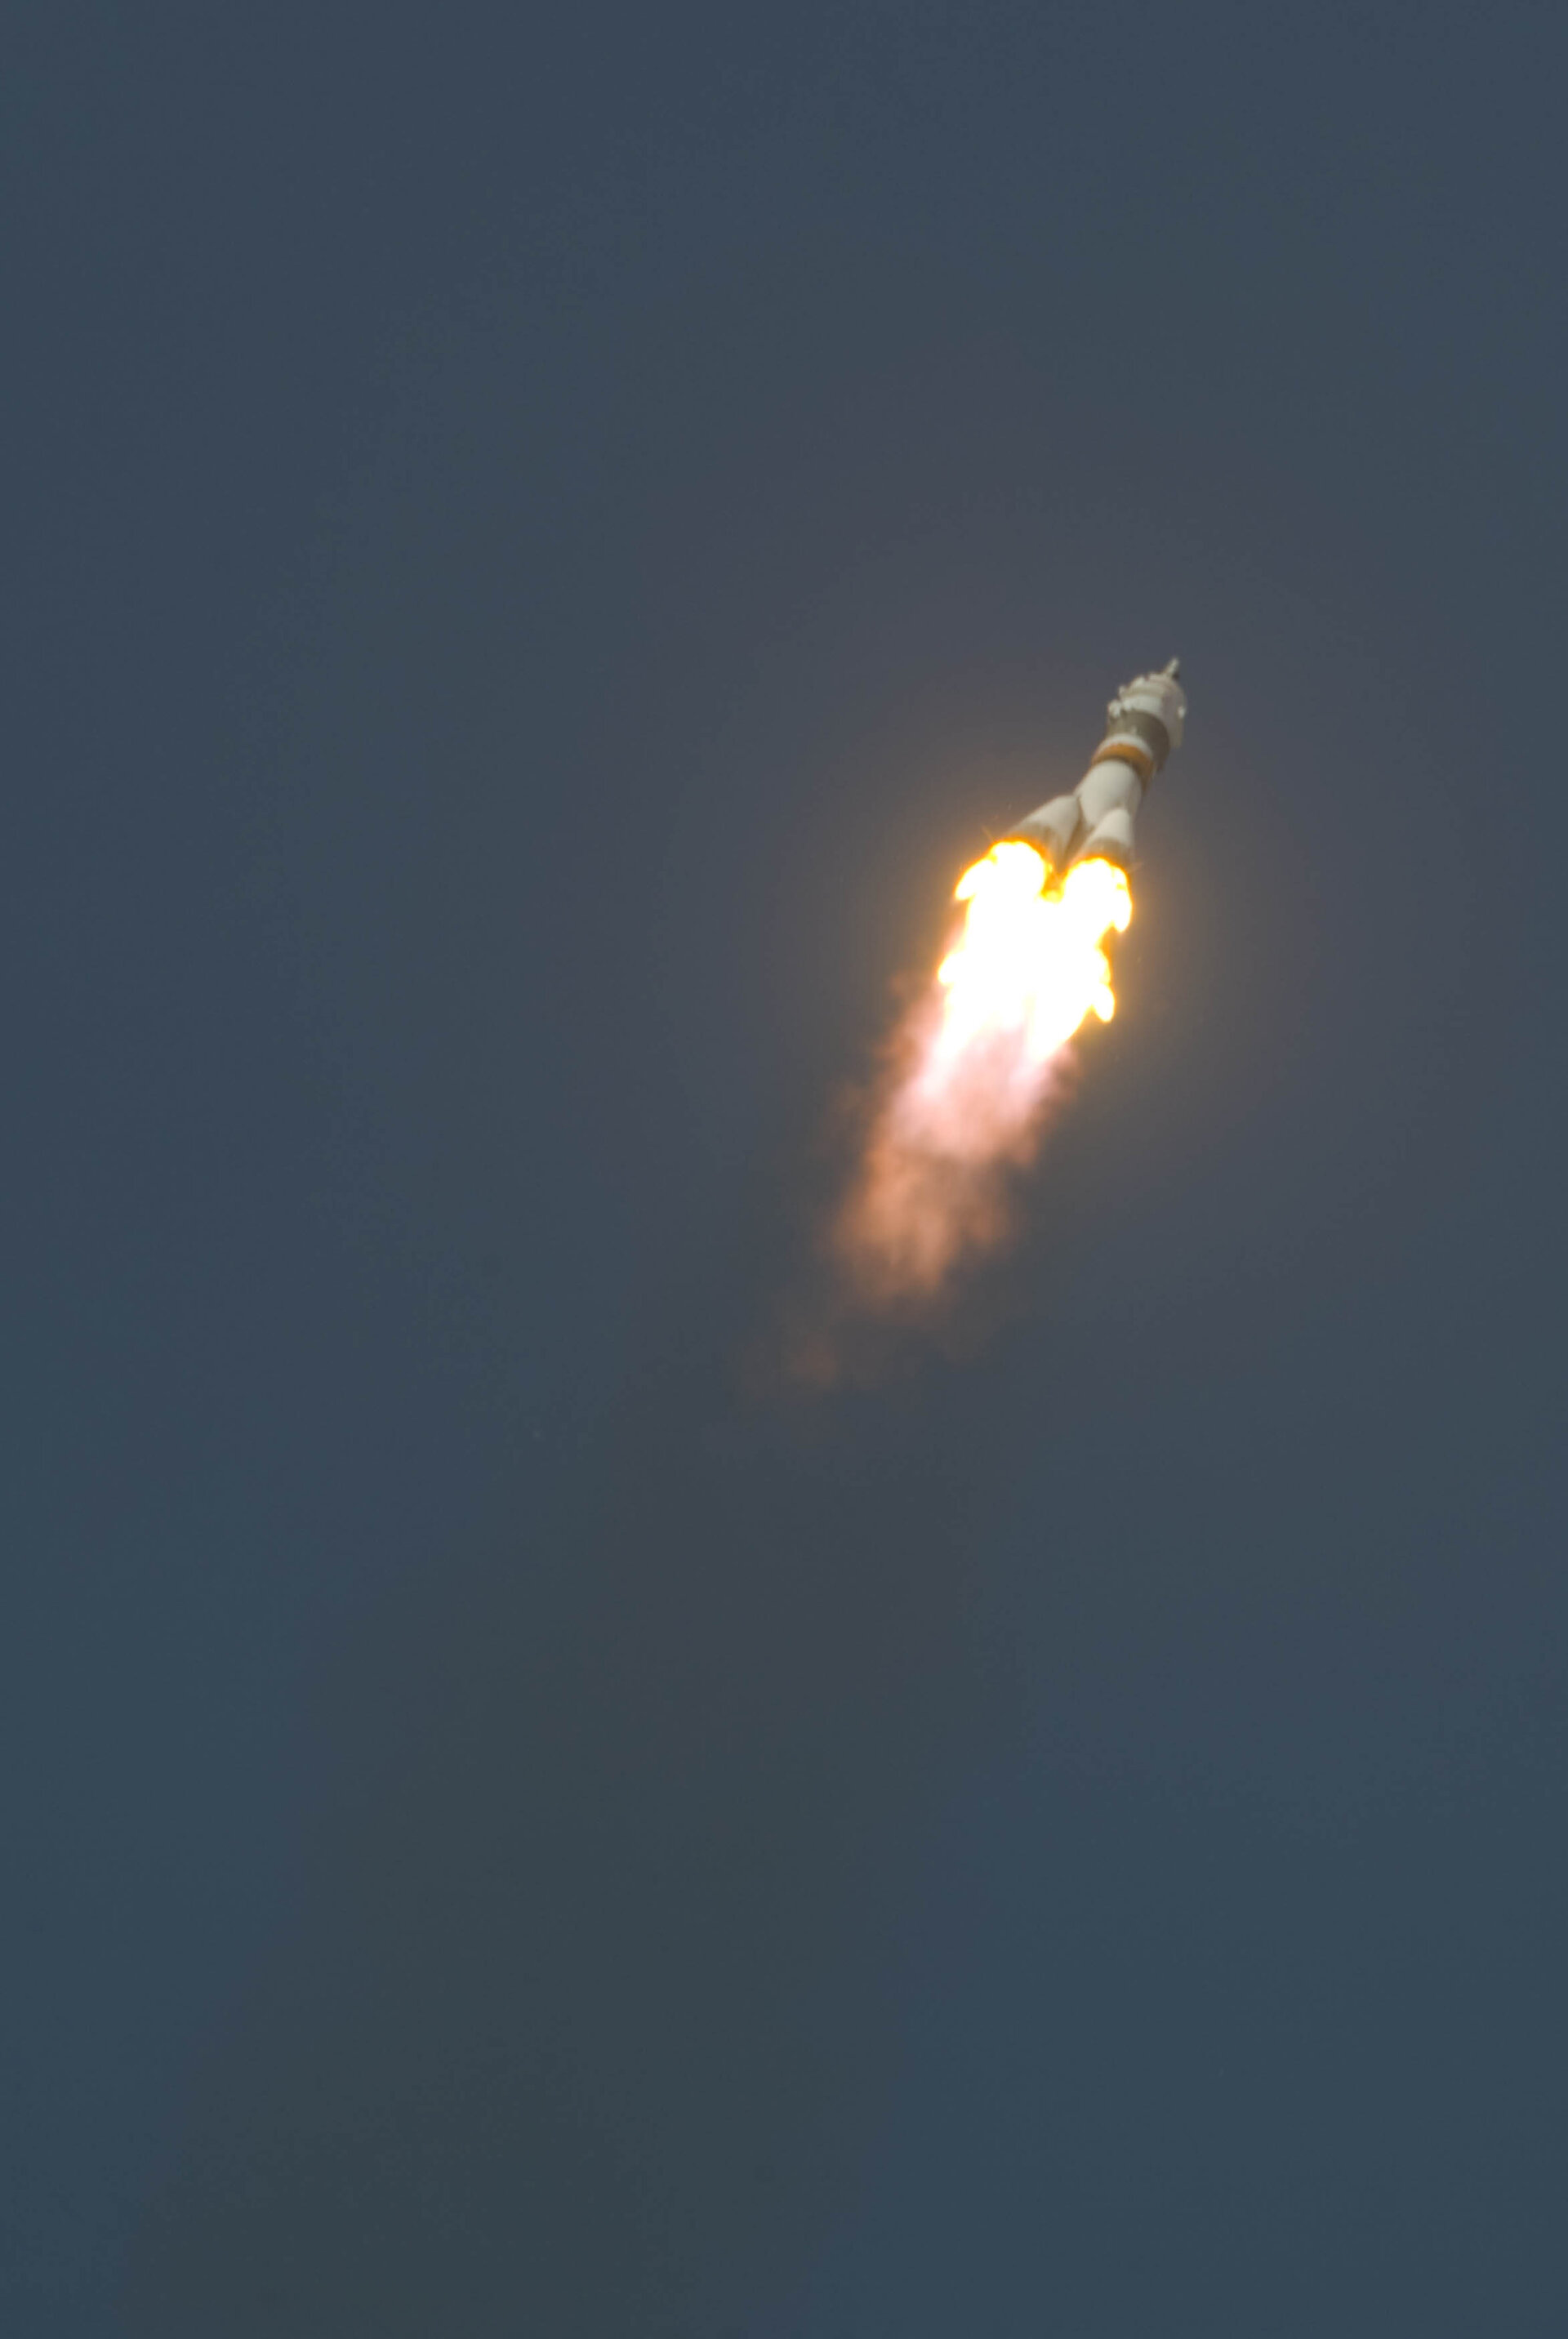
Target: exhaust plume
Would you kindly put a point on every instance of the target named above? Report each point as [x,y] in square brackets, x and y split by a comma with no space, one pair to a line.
[974,1072]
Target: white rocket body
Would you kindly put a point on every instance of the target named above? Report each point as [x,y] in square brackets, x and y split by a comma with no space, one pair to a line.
[1143,725]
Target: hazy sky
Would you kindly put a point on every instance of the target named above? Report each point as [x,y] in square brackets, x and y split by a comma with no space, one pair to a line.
[537,549]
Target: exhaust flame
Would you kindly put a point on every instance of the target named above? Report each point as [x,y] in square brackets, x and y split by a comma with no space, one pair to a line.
[977,1062]
[1031,961]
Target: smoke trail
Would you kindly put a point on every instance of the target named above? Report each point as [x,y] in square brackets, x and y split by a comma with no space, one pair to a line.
[947,1134]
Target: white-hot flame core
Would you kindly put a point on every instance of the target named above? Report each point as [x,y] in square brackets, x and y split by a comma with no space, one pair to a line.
[978,1062]
[1030,959]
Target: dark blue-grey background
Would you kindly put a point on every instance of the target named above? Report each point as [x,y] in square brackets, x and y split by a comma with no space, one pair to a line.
[536,544]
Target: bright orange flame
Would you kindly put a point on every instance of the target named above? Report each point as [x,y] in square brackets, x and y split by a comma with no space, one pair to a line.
[976,1066]
[1030,959]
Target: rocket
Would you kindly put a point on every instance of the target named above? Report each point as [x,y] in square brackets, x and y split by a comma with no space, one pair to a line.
[1095,823]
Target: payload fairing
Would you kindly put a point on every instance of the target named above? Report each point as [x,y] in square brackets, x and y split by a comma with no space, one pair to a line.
[1095,823]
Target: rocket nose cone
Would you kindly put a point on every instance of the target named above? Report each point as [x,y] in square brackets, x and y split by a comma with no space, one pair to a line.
[1174,669]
